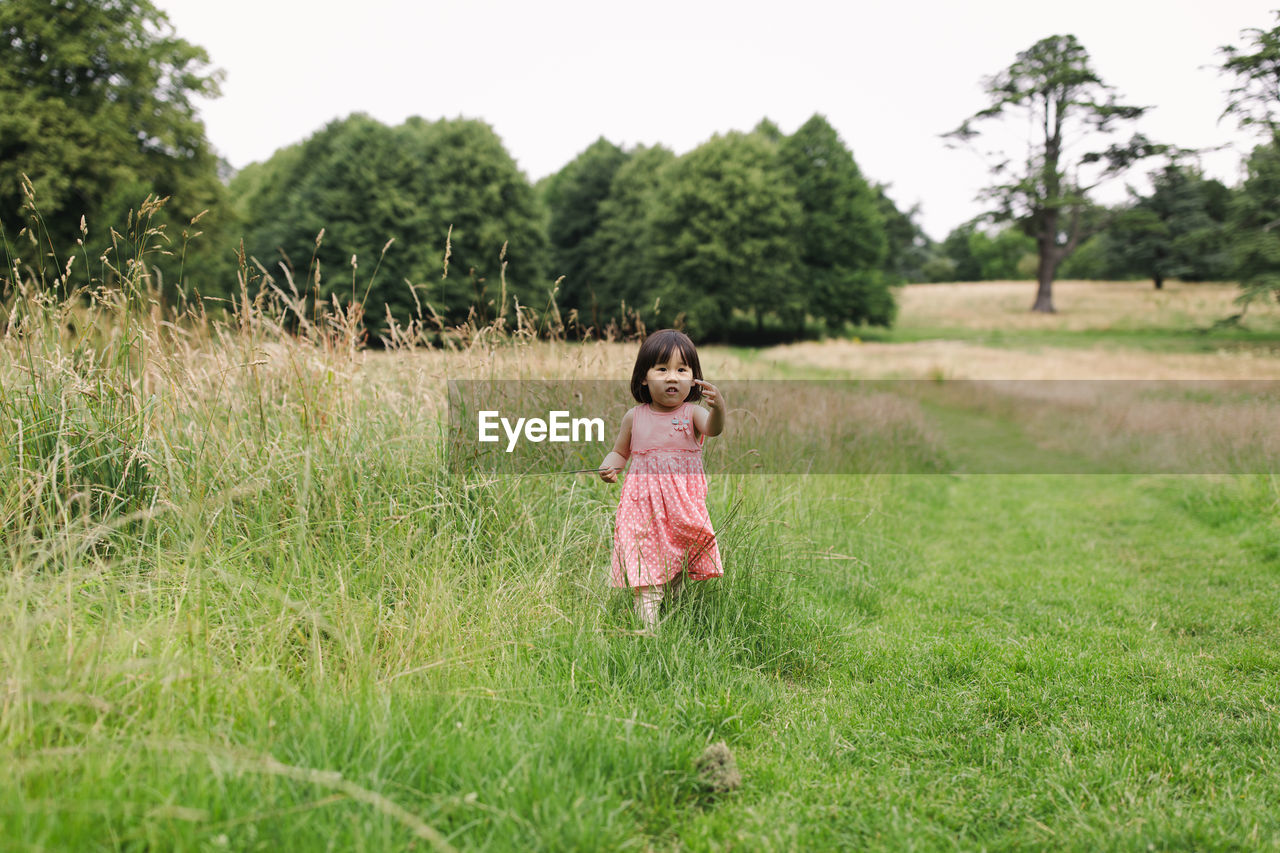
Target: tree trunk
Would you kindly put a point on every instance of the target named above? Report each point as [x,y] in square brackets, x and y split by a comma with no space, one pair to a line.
[1044,296]
[1159,279]
[1045,272]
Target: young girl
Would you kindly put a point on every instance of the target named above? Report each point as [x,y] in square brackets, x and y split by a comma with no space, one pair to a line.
[662,526]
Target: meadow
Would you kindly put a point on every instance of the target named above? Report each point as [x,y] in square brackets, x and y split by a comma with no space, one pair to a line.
[245,604]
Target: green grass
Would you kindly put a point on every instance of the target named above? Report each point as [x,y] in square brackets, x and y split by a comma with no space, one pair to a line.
[312,636]
[897,662]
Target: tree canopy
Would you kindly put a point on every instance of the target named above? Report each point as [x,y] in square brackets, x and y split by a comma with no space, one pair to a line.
[723,230]
[96,108]
[1177,230]
[573,197]
[842,236]
[974,254]
[1255,98]
[1043,184]
[623,244]
[909,247]
[750,236]
[1254,102]
[393,197]
[1255,219]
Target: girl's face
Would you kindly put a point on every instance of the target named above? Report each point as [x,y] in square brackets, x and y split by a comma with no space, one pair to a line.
[669,381]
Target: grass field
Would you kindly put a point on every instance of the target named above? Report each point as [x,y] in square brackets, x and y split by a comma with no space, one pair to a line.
[292,629]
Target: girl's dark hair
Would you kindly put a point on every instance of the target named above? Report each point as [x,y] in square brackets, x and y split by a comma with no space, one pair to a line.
[659,347]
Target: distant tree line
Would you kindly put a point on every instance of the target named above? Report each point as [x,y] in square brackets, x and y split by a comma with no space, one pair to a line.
[1182,228]
[752,236]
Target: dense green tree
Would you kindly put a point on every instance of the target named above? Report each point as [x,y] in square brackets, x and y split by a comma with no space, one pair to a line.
[842,236]
[1096,259]
[573,197]
[957,247]
[96,109]
[909,247]
[768,129]
[348,180]
[1177,231]
[723,231]
[1043,183]
[1003,256]
[623,244]
[938,268]
[1255,101]
[977,255]
[464,178]
[1254,220]
[420,184]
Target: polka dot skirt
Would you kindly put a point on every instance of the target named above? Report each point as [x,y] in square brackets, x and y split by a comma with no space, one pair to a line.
[662,521]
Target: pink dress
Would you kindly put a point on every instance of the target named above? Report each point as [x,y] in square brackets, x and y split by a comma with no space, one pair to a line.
[662,519]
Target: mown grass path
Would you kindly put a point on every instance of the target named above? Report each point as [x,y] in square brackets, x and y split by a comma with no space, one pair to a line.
[1079,662]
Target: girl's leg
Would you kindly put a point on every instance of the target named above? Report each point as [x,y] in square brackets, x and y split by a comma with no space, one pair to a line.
[647,600]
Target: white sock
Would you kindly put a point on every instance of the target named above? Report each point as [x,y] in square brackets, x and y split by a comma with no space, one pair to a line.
[647,600]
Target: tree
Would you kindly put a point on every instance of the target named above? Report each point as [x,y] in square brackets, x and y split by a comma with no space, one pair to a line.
[419,184]
[842,237]
[573,197]
[979,256]
[1255,99]
[1176,231]
[723,231]
[623,245]
[464,178]
[1001,256]
[957,247]
[1099,258]
[1255,213]
[1255,223]
[1045,188]
[96,109]
[909,247]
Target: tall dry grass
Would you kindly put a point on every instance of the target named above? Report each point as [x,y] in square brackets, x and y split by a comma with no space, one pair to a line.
[225,531]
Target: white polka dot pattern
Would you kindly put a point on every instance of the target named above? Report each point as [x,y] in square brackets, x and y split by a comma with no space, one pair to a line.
[662,522]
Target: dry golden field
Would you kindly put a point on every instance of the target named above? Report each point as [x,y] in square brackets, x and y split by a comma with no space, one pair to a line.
[1081,305]
[959,360]
[1086,308]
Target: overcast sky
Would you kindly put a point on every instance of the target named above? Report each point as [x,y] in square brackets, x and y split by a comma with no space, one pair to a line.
[550,76]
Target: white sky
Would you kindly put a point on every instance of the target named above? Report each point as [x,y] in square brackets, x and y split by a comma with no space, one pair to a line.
[550,76]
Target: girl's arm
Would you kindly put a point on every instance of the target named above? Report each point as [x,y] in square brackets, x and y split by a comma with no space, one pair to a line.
[617,458]
[709,421]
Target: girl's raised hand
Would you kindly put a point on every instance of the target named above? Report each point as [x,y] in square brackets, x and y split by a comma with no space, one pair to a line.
[711,394]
